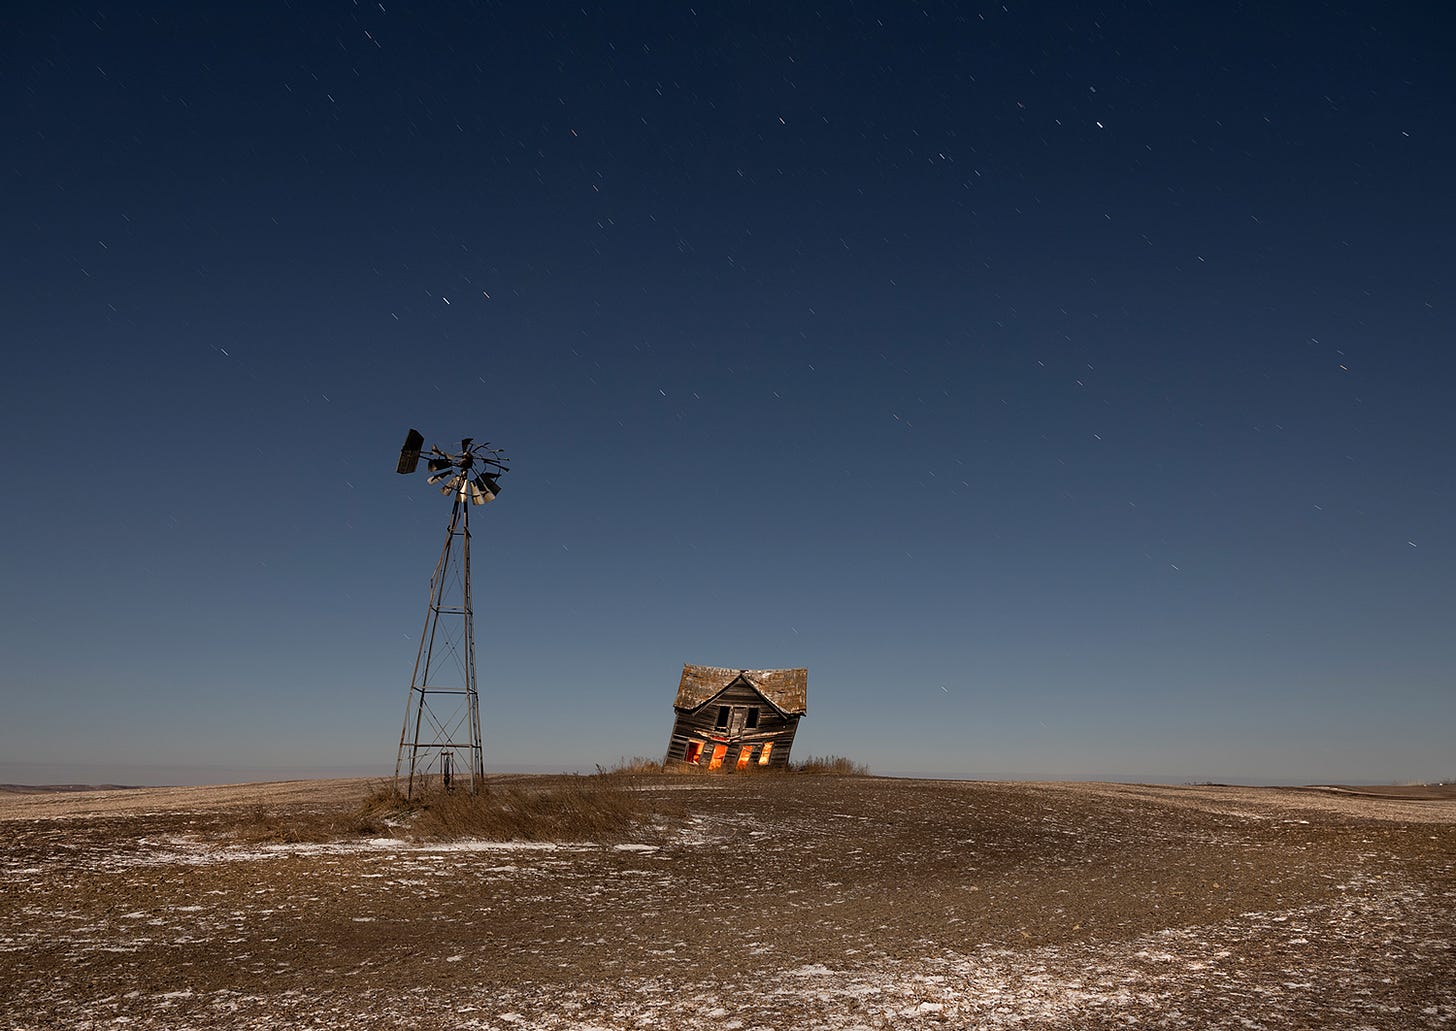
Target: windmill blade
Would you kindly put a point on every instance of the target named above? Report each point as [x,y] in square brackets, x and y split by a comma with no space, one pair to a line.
[453,486]
[489,486]
[437,477]
[409,455]
[436,464]
[477,496]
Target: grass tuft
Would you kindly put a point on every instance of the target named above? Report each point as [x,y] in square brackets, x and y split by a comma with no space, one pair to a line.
[836,765]
[637,765]
[263,826]
[602,807]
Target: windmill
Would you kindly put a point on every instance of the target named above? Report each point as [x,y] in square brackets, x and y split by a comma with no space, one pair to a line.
[442,710]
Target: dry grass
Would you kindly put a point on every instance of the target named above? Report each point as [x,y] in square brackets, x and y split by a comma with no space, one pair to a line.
[262,825]
[601,807]
[829,765]
[638,764]
[836,765]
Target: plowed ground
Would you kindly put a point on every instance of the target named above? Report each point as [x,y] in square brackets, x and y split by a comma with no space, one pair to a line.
[744,902]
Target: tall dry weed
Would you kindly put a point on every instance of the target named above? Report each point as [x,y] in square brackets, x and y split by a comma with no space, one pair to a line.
[263,826]
[831,764]
[601,807]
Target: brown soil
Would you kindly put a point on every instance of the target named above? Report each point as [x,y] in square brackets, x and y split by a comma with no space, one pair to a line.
[780,902]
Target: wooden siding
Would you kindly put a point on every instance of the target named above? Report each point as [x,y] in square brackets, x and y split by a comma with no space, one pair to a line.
[701,724]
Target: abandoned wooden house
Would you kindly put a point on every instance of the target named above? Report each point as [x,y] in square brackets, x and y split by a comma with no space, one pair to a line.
[737,719]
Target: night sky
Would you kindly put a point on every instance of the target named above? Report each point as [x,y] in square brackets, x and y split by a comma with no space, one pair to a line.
[1068,387]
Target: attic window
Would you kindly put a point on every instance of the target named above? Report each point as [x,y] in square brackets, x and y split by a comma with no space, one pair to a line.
[722,723]
[752,720]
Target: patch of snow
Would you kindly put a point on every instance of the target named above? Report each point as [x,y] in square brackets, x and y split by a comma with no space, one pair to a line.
[812,970]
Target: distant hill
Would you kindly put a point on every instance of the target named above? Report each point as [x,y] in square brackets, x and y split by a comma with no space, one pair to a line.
[46,789]
[1410,792]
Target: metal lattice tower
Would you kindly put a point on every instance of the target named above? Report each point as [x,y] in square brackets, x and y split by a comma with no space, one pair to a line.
[441,734]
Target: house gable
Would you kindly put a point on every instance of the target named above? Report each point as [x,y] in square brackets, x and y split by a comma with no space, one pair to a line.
[732,692]
[786,690]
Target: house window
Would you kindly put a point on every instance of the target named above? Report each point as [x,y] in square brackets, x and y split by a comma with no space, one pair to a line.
[763,756]
[716,761]
[693,752]
[722,723]
[752,720]
[744,755]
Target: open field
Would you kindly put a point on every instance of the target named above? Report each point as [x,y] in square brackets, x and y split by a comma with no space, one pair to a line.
[748,902]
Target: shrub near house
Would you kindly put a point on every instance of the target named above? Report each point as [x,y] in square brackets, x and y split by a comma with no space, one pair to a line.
[736,719]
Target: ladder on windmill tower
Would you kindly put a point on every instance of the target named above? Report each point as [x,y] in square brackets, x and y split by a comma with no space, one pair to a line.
[440,742]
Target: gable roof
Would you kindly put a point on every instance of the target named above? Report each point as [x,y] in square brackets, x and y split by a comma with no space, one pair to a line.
[785,689]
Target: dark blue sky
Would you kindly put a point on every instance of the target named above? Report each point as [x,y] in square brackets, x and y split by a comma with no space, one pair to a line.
[1068,389]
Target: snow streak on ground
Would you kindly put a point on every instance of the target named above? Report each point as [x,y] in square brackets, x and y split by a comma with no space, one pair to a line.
[765,903]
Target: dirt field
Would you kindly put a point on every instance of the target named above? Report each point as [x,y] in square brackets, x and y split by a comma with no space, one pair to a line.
[753,902]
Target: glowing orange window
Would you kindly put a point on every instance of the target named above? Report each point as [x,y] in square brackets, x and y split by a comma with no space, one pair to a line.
[693,752]
[763,756]
[744,755]
[717,760]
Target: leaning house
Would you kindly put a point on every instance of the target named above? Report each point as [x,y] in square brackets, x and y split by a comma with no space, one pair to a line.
[736,719]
